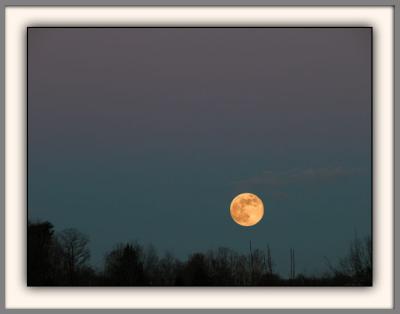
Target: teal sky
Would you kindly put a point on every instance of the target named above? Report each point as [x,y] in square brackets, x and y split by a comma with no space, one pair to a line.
[148,133]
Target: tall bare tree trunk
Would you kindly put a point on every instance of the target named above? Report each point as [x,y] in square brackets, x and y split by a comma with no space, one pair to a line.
[292,264]
[251,265]
[269,261]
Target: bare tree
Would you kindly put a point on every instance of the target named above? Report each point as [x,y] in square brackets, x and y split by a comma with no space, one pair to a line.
[270,263]
[168,269]
[358,263]
[356,267]
[251,265]
[74,250]
[292,265]
[151,265]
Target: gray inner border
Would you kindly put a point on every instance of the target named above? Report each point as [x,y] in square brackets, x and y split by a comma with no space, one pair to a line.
[5,3]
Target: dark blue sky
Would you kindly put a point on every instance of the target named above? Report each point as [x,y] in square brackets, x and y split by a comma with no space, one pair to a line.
[147,134]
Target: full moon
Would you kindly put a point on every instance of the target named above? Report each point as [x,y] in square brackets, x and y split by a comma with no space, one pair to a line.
[247,209]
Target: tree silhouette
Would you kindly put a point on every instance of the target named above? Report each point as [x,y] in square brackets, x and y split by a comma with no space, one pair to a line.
[39,258]
[74,250]
[168,269]
[151,266]
[196,271]
[358,263]
[124,265]
[61,259]
[221,266]
[292,274]
[269,262]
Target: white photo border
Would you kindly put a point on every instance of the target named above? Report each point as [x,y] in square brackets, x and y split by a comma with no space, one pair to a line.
[18,295]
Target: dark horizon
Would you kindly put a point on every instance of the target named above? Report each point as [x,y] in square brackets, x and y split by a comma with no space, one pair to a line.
[63,259]
[147,134]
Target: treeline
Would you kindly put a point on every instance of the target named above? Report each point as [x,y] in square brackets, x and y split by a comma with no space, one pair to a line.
[62,259]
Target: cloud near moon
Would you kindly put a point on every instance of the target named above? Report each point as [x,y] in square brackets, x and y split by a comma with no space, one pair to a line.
[247,209]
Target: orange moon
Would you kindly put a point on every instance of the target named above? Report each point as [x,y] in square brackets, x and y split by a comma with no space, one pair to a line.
[247,209]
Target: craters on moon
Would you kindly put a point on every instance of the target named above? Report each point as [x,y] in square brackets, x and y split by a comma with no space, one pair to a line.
[247,209]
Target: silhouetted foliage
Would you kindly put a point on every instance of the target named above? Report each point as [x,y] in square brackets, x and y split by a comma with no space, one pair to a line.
[124,266]
[221,267]
[40,253]
[355,268]
[196,271]
[61,259]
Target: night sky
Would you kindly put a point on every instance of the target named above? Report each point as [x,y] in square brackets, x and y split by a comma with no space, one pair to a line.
[147,134]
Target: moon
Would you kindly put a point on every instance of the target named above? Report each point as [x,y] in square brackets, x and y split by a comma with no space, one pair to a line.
[247,209]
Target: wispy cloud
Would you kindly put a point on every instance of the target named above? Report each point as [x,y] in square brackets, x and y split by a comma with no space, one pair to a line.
[293,176]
